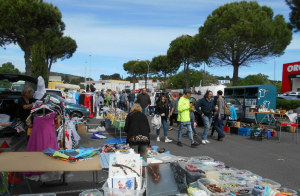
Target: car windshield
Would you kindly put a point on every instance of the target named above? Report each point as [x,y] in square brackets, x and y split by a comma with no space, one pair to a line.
[57,99]
[6,85]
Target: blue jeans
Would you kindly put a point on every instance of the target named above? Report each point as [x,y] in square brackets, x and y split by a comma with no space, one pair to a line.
[165,127]
[207,122]
[189,130]
[192,117]
[151,108]
[145,111]
[218,125]
[131,104]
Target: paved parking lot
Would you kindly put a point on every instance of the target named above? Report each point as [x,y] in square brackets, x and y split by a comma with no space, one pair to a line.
[277,161]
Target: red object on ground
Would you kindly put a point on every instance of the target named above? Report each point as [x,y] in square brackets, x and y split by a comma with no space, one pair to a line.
[11,178]
[273,133]
[226,129]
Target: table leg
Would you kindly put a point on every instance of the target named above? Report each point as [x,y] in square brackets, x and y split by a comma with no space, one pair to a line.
[27,182]
[255,118]
[6,188]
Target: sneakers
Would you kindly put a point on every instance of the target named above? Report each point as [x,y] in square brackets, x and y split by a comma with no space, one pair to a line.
[203,142]
[194,145]
[168,141]
[157,139]
[179,144]
[207,141]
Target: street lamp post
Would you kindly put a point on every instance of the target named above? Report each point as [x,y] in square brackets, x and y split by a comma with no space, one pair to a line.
[90,71]
[85,76]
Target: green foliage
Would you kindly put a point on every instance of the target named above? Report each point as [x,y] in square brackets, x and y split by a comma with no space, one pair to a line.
[242,33]
[295,13]
[114,76]
[26,22]
[39,65]
[182,50]
[9,68]
[131,67]
[279,86]
[287,104]
[253,80]
[59,48]
[162,65]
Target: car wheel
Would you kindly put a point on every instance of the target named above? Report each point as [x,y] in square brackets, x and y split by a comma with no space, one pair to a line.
[76,114]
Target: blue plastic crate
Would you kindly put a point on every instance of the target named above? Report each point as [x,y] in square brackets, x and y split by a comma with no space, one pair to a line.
[244,131]
[269,134]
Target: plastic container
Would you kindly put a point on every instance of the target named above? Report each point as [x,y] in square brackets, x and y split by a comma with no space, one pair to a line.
[210,173]
[269,134]
[252,178]
[215,164]
[286,190]
[191,168]
[244,131]
[201,159]
[270,183]
[242,173]
[205,183]
[93,192]
[111,191]
[196,186]
[193,175]
[227,172]
[239,187]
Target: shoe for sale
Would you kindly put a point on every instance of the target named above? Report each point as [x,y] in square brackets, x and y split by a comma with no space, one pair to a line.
[194,145]
[157,139]
[179,144]
[168,141]
[203,142]
[93,130]
[207,141]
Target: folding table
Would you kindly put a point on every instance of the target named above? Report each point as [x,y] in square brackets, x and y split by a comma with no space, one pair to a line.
[288,123]
[39,162]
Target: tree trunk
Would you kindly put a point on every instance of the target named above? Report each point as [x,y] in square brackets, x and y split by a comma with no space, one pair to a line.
[186,74]
[133,78]
[27,56]
[235,75]
[49,66]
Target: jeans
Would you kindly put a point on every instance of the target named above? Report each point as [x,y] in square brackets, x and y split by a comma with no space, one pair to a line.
[118,104]
[145,111]
[207,122]
[131,104]
[141,149]
[218,125]
[165,127]
[151,110]
[189,130]
[192,116]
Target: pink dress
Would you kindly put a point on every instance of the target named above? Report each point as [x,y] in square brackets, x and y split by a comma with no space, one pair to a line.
[43,136]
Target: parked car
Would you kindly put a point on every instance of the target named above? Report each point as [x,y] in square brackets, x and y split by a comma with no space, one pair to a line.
[288,97]
[56,92]
[291,93]
[75,109]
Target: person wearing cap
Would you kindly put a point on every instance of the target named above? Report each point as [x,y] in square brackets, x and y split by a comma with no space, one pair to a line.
[218,118]
[184,107]
[207,107]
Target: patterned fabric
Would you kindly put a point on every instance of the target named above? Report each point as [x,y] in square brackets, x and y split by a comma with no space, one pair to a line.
[139,138]
[180,177]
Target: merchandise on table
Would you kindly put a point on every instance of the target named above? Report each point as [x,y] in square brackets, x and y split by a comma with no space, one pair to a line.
[227,172]
[93,192]
[215,164]
[241,173]
[213,186]
[268,182]
[201,159]
[210,173]
[239,187]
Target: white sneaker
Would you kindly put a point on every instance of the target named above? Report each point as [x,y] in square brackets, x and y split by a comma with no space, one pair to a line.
[157,139]
[168,141]
[93,130]
[207,141]
[203,141]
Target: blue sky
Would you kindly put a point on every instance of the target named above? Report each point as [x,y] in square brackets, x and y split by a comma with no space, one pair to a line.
[116,31]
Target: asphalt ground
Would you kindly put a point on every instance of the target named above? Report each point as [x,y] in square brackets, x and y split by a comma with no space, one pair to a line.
[279,162]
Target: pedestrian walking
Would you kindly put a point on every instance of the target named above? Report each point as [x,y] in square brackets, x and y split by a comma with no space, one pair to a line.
[184,107]
[144,100]
[173,112]
[218,118]
[131,98]
[207,108]
[152,105]
[162,109]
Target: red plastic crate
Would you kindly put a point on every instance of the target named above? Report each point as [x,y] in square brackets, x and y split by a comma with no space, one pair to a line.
[226,129]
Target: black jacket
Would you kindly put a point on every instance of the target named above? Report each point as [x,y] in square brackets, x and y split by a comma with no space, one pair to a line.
[160,108]
[136,124]
[143,100]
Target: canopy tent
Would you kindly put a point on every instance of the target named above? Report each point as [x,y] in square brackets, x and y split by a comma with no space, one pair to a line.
[68,86]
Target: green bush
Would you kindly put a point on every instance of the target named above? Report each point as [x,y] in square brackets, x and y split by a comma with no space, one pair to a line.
[287,104]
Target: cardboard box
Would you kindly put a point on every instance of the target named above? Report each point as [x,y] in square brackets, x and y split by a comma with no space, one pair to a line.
[81,129]
[238,124]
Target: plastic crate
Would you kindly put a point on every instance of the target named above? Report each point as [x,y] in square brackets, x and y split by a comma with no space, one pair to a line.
[268,134]
[210,173]
[214,164]
[39,194]
[234,130]
[268,182]
[112,191]
[94,192]
[204,182]
[108,124]
[196,185]
[244,131]
[226,172]
[226,129]
[239,187]
[242,173]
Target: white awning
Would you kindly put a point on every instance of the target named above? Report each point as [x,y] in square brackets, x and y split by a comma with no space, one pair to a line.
[69,86]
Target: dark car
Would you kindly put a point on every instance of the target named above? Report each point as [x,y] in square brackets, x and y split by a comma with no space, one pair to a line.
[288,97]
[75,109]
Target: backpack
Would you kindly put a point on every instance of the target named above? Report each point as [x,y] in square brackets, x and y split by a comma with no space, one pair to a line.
[227,111]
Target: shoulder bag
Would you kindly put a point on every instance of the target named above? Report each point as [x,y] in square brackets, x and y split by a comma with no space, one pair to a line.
[227,111]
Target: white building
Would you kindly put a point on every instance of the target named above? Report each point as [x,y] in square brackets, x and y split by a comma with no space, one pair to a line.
[114,85]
